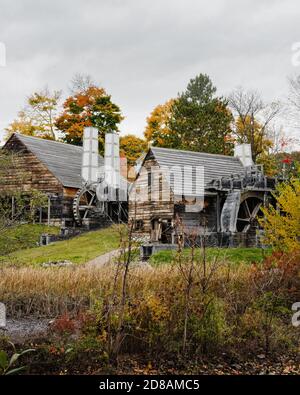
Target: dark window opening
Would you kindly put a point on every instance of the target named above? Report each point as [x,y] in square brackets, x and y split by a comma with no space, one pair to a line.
[149,184]
[160,187]
[139,225]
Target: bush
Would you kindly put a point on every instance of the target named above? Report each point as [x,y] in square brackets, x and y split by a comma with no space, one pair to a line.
[282,224]
[241,309]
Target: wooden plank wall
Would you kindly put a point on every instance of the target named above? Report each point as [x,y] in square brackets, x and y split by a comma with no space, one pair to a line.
[147,203]
[203,221]
[29,173]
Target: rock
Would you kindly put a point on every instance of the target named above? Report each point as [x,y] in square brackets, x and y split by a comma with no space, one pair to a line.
[261,356]
[64,263]
[25,329]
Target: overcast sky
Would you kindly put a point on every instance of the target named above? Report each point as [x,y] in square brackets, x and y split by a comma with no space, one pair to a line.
[144,52]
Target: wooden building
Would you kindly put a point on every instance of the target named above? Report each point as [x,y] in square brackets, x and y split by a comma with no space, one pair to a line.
[227,202]
[51,167]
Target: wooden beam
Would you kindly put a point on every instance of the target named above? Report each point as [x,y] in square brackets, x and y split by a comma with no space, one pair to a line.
[49,209]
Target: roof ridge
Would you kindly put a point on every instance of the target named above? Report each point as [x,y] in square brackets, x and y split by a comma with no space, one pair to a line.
[194,152]
[47,140]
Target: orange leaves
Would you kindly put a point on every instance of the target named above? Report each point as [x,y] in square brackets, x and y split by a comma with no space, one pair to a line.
[132,147]
[90,107]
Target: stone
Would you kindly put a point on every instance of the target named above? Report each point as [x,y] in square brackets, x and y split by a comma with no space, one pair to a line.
[64,263]
[2,315]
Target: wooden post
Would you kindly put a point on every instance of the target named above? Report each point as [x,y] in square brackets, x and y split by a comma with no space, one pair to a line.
[12,207]
[49,209]
[218,213]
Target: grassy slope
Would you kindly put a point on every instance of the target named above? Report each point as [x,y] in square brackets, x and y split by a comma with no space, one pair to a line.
[23,236]
[234,255]
[78,250]
[89,245]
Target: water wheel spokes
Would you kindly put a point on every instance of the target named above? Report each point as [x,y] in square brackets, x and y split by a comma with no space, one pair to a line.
[84,204]
[247,216]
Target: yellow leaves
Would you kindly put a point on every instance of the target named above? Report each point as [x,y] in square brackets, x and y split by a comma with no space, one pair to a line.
[23,125]
[152,307]
[157,310]
[37,118]
[249,130]
[132,147]
[282,225]
[158,123]
[269,164]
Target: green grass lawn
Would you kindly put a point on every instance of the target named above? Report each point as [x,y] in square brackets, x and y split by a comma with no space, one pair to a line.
[22,241]
[23,236]
[234,255]
[79,249]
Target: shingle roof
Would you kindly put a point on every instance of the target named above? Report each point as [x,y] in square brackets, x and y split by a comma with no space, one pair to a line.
[63,160]
[215,166]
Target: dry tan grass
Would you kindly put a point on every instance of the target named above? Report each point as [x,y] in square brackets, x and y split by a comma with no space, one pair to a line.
[232,306]
[49,291]
[52,291]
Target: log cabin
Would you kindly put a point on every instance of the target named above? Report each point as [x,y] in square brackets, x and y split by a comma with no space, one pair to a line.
[224,205]
[51,167]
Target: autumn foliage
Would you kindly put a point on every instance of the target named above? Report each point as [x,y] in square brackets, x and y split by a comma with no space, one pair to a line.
[282,223]
[92,107]
[158,130]
[132,147]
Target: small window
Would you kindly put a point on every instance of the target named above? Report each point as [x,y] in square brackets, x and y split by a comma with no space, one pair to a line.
[139,224]
[160,187]
[149,184]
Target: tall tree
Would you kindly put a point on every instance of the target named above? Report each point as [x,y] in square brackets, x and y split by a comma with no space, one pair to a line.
[294,99]
[253,119]
[38,116]
[81,83]
[90,107]
[293,106]
[23,125]
[261,142]
[200,120]
[157,131]
[132,147]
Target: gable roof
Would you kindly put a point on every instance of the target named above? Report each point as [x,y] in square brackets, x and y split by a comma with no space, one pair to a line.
[62,160]
[215,166]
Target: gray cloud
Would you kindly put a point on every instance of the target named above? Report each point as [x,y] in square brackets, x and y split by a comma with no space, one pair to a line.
[145,51]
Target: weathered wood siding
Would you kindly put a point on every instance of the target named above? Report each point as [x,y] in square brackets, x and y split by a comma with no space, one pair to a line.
[29,173]
[147,202]
[203,221]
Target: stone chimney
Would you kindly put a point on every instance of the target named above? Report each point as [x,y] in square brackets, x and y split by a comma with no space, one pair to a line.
[244,153]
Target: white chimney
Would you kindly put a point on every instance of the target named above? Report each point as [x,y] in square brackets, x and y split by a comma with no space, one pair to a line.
[244,153]
[89,170]
[112,160]
[117,185]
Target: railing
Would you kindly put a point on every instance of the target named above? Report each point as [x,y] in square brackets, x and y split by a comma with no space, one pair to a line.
[252,178]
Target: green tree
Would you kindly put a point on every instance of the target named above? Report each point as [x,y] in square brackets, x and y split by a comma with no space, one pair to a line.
[201,121]
[287,164]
